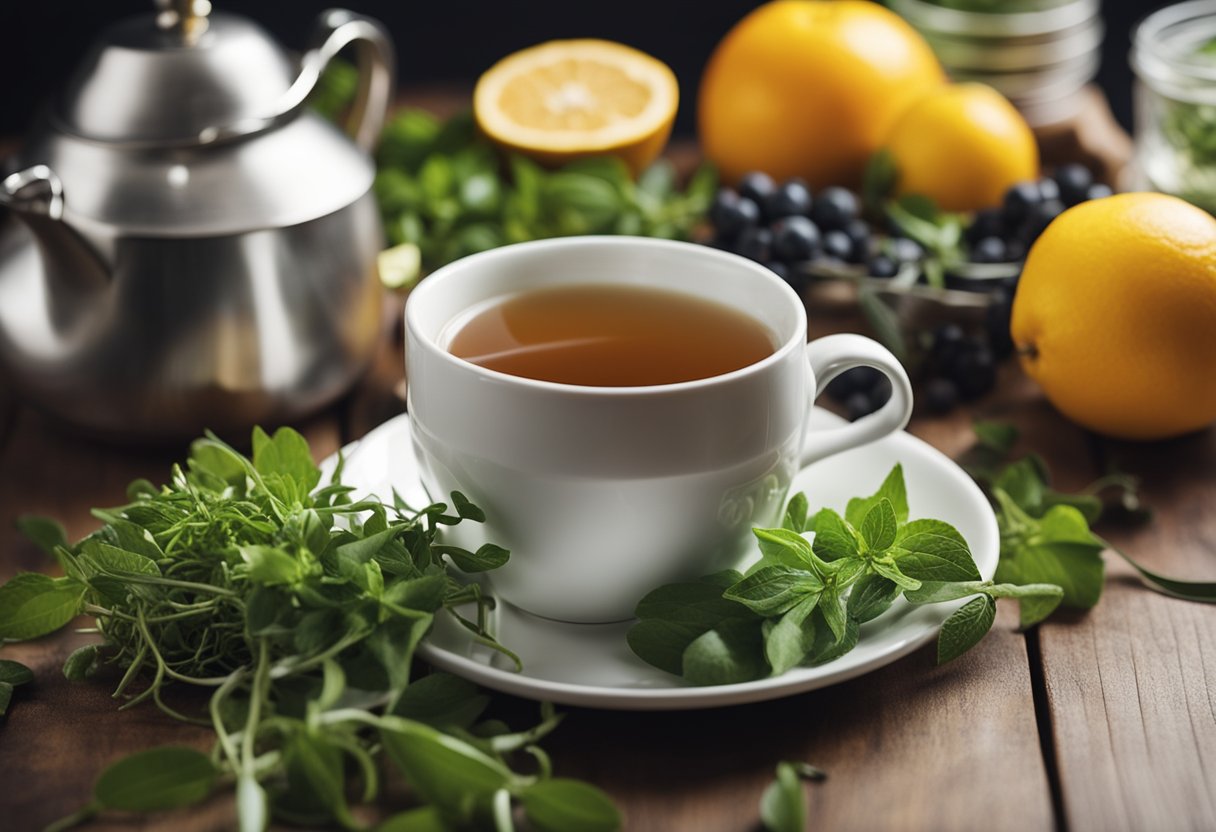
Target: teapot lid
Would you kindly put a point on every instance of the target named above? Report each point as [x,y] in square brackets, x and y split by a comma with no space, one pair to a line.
[183,76]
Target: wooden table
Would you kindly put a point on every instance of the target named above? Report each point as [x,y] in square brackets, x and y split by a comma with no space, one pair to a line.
[1104,721]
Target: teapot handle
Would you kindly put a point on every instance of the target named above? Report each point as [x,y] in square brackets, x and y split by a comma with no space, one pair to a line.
[337,29]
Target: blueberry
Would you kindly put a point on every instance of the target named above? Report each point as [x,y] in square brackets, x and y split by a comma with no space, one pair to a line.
[791,198]
[834,207]
[1048,190]
[940,395]
[754,244]
[1098,191]
[1074,181]
[857,380]
[974,370]
[1037,220]
[731,213]
[905,250]
[880,394]
[989,250]
[882,266]
[1018,201]
[996,320]
[987,223]
[795,239]
[949,341]
[1015,250]
[859,233]
[837,244]
[757,187]
[858,405]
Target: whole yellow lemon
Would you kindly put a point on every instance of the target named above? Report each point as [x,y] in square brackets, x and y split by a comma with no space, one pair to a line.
[962,145]
[810,88]
[1115,315]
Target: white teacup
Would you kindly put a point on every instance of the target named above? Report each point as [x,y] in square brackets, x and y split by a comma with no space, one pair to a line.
[604,493]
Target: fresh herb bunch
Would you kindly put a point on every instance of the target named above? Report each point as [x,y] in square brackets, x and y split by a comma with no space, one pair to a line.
[1046,534]
[301,609]
[804,601]
[443,188]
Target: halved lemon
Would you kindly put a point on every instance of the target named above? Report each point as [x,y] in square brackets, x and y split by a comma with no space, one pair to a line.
[568,99]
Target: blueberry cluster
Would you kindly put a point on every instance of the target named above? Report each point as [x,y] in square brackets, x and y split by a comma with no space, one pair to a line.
[861,391]
[1005,234]
[958,367]
[780,225]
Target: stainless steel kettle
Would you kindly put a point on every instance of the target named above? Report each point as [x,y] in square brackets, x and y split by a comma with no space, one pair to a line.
[187,245]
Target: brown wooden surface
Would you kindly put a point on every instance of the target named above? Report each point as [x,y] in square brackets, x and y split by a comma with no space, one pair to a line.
[1099,721]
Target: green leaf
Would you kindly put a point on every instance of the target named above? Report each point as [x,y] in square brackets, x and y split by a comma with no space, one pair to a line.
[6,697]
[871,596]
[1201,591]
[785,547]
[442,700]
[43,532]
[828,647]
[561,805]
[157,779]
[658,180]
[422,819]
[365,548]
[732,652]
[832,608]
[1023,482]
[932,550]
[590,202]
[32,605]
[424,594]
[288,455]
[487,557]
[965,628]
[935,592]
[774,589]
[796,514]
[393,644]
[879,526]
[318,763]
[893,489]
[467,510]
[1035,601]
[15,673]
[442,769]
[883,321]
[696,602]
[791,637]
[997,436]
[270,566]
[890,570]
[661,642]
[783,804]
[114,561]
[834,538]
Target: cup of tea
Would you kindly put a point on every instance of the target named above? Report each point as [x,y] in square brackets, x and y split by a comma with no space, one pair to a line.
[623,409]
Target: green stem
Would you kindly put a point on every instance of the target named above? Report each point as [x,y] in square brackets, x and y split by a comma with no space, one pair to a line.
[261,684]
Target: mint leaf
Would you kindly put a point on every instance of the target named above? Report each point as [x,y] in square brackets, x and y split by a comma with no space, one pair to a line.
[32,605]
[774,589]
[729,654]
[932,550]
[155,780]
[997,436]
[559,804]
[965,628]
[661,642]
[784,546]
[791,637]
[796,514]
[831,607]
[872,595]
[935,592]
[783,805]
[827,646]
[835,539]
[15,673]
[44,532]
[879,526]
[892,489]
[890,570]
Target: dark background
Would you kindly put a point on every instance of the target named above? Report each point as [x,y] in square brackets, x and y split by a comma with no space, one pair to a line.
[450,41]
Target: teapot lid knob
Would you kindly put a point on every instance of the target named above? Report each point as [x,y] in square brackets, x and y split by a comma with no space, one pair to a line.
[187,17]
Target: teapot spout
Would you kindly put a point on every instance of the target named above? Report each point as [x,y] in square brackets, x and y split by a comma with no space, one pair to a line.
[35,196]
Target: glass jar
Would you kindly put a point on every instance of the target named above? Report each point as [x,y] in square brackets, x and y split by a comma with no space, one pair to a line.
[1039,54]
[1174,58]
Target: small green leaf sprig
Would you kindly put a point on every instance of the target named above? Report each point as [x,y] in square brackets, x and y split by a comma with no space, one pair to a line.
[444,188]
[301,609]
[804,601]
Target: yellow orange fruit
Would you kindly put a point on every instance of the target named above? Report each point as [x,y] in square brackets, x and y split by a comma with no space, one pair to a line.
[568,99]
[1115,315]
[810,88]
[962,145]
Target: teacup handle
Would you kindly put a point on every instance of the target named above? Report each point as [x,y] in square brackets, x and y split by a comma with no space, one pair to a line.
[830,356]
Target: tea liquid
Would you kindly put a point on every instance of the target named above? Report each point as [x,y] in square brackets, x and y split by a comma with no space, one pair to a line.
[608,335]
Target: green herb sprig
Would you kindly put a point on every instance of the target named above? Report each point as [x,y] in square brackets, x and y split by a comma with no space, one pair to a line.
[444,188]
[804,601]
[301,609]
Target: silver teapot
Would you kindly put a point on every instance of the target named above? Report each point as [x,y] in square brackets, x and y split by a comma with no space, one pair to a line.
[186,244]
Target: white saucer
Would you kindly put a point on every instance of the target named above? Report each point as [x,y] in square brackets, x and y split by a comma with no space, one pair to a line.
[591,665]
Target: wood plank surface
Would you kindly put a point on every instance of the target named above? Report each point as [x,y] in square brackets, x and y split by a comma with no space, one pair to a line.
[1132,684]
